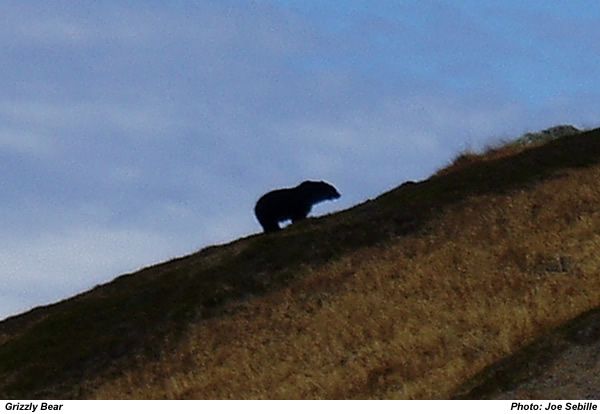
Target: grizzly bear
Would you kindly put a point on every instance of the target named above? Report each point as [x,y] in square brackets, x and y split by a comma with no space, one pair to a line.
[291,203]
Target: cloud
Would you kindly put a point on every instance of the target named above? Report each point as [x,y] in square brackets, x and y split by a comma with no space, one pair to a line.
[24,142]
[139,121]
[59,264]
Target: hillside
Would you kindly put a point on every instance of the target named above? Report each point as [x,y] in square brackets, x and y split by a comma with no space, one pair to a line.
[410,295]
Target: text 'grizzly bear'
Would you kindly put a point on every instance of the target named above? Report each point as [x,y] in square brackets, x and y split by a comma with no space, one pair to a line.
[291,203]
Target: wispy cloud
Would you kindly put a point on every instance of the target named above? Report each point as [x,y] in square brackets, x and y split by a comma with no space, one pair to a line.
[24,142]
[132,121]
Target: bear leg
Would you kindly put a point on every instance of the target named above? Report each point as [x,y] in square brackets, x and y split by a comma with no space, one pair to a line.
[298,218]
[270,226]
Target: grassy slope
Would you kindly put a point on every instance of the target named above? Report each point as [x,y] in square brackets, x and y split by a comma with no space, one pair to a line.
[406,296]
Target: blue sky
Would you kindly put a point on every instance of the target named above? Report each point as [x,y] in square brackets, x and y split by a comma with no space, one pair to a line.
[132,132]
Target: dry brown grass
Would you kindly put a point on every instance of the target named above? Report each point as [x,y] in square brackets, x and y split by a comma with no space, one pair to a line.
[412,318]
[492,152]
[507,148]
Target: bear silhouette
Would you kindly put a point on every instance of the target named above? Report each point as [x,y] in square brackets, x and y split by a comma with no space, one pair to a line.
[291,203]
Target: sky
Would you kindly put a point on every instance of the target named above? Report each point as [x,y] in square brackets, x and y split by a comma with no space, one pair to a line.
[132,132]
